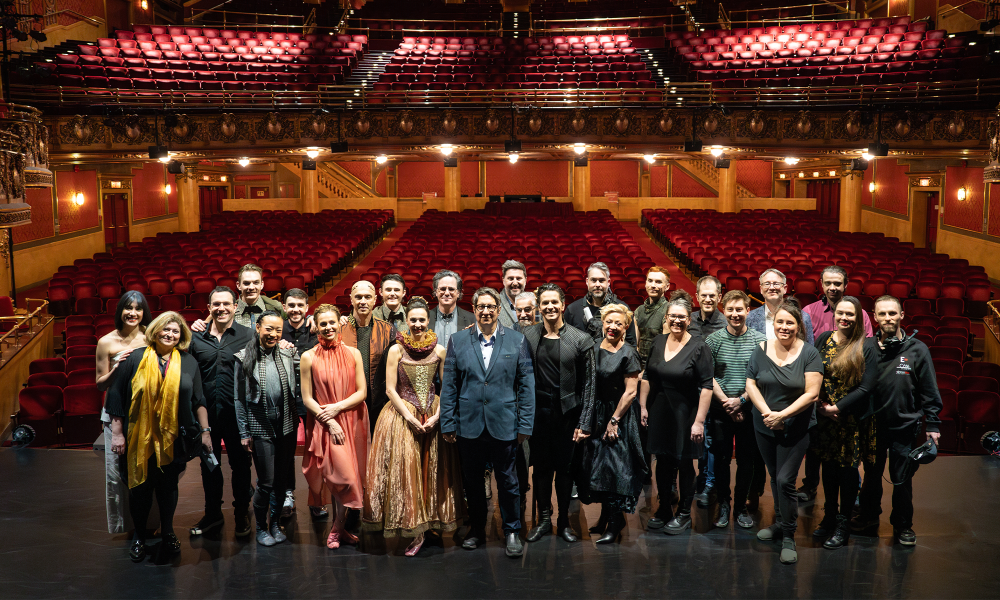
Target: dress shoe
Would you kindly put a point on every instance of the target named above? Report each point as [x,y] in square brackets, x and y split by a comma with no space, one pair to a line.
[861,524]
[276,532]
[514,546]
[318,512]
[543,528]
[788,553]
[207,523]
[616,523]
[806,494]
[137,551]
[905,537]
[243,527]
[602,522]
[657,522]
[704,499]
[171,545]
[567,534]
[744,519]
[474,540]
[264,538]
[678,524]
[841,533]
[723,520]
[826,526]
[770,533]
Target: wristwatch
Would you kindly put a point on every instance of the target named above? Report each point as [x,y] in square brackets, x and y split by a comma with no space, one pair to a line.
[204,429]
[614,421]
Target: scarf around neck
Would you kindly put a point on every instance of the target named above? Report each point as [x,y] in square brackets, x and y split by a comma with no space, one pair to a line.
[152,419]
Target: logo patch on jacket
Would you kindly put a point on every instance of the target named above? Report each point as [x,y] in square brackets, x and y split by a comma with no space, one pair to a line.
[903,368]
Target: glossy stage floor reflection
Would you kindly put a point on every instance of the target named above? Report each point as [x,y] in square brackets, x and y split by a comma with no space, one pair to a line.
[55,545]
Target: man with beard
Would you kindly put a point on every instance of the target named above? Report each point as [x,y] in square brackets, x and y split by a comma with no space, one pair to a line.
[214,348]
[563,359]
[372,338]
[905,398]
[392,288]
[773,285]
[526,309]
[650,314]
[251,303]
[730,412]
[447,318]
[514,281]
[704,322]
[585,313]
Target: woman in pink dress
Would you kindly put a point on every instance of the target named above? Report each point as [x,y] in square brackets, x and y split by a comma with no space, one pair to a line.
[333,391]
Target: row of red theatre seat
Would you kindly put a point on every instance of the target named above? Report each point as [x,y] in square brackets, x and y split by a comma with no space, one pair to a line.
[210,32]
[214,256]
[62,416]
[892,25]
[970,393]
[528,64]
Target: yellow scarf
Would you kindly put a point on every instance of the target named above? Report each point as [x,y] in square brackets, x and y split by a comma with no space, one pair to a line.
[152,419]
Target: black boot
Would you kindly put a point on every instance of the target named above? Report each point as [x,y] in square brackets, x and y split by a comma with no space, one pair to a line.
[542,528]
[602,523]
[841,533]
[826,526]
[616,523]
[565,531]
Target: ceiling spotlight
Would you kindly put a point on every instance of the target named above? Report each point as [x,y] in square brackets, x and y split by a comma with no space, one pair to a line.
[159,153]
[871,187]
[791,160]
[312,153]
[381,159]
[878,149]
[38,36]
[446,149]
[962,193]
[716,151]
[650,158]
[244,161]
[866,156]
[165,158]
[579,147]
[512,157]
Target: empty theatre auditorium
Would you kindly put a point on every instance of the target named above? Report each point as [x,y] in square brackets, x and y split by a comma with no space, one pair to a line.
[499,299]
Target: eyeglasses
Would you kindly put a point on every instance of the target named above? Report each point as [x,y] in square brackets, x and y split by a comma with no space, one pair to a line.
[676,318]
[486,308]
[772,284]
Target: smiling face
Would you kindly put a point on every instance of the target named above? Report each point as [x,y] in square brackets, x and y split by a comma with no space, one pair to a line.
[486,312]
[845,317]
[677,320]
[551,307]
[417,320]
[392,293]
[132,315]
[222,308]
[614,327]
[250,286]
[328,325]
[296,309]
[785,326]
[269,329]
[598,284]
[833,287]
[888,314]
[447,293]
[656,285]
[773,288]
[363,300]
[736,314]
[708,297]
[526,312]
[168,337]
[514,281]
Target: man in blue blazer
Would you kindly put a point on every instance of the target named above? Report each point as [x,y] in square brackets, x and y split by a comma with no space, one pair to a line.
[488,408]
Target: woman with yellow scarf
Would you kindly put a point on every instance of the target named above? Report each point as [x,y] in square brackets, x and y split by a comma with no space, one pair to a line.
[153,405]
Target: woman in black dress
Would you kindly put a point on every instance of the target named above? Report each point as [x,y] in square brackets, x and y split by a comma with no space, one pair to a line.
[157,408]
[680,372]
[783,381]
[613,465]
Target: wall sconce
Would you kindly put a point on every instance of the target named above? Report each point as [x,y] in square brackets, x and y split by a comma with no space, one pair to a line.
[144,4]
[962,193]
[115,185]
[833,173]
[223,178]
[871,187]
[167,189]
[781,175]
[815,173]
[78,199]
[801,174]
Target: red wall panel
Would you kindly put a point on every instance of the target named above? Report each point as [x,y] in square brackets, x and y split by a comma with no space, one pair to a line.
[866,196]
[362,169]
[71,216]
[756,175]
[415,178]
[993,227]
[659,179]
[380,183]
[42,225]
[547,178]
[968,213]
[469,173]
[892,186]
[620,176]
[684,186]
[147,192]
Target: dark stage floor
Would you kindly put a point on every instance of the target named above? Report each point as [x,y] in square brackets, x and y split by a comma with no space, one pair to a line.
[55,545]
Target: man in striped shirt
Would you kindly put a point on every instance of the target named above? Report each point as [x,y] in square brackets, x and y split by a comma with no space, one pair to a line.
[730,411]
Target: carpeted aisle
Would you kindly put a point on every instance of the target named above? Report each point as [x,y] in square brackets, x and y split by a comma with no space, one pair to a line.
[649,246]
[344,285]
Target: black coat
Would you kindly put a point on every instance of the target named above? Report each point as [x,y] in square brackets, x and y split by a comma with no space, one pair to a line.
[576,365]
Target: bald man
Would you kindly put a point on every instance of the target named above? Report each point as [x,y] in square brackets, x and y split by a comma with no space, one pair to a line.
[372,338]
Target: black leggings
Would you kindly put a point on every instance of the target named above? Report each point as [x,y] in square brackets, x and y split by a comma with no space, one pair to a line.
[783,458]
[667,468]
[843,482]
[163,484]
[274,460]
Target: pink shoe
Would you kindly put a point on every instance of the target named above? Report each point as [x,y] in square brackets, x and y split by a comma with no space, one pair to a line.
[333,542]
[415,546]
[348,537]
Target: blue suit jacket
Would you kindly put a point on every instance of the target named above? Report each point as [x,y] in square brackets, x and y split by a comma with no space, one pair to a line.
[499,399]
[757,319]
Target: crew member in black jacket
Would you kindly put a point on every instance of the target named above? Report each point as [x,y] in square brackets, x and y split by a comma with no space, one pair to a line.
[906,394]
[564,384]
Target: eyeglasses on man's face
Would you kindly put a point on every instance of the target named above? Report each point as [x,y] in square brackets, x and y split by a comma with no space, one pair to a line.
[772,284]
[486,307]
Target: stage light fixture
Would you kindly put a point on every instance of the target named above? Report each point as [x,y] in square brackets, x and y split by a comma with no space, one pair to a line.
[175,167]
[693,146]
[512,146]
[243,162]
[859,164]
[512,157]
[451,161]
[580,161]
[308,165]
[716,151]
[381,159]
[338,147]
[159,153]
[720,163]
[38,36]
[878,149]
[791,160]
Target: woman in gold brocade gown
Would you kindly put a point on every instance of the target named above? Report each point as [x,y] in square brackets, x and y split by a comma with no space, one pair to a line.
[414,481]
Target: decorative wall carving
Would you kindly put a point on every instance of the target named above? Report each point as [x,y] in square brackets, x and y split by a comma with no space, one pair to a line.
[664,122]
[274,127]
[756,124]
[622,122]
[229,129]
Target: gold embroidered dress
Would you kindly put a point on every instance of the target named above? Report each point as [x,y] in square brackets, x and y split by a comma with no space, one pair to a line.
[414,480]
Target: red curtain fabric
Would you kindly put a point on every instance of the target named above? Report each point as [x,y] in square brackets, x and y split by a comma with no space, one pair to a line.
[827,195]
[210,200]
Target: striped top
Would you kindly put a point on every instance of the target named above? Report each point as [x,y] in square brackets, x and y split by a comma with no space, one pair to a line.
[731,354]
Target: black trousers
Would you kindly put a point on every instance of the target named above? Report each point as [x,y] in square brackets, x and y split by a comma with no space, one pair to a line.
[811,479]
[896,444]
[667,469]
[161,483]
[274,461]
[552,449]
[224,428]
[750,470]
[502,454]
[839,483]
[783,457]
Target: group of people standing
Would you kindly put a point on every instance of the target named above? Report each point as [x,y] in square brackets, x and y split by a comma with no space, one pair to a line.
[407,408]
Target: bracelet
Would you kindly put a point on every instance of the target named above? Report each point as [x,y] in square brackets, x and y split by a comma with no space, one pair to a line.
[614,421]
[206,429]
